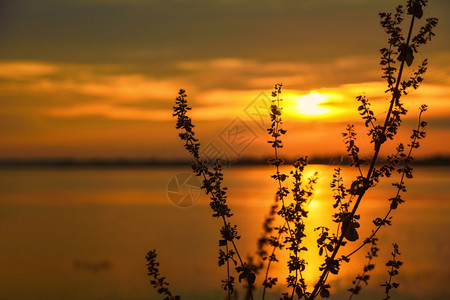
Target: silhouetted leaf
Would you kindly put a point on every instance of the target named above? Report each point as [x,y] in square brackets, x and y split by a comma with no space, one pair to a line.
[350,233]
[251,278]
[324,293]
[406,54]
[416,10]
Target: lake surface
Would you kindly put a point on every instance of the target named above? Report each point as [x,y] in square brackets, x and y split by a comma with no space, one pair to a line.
[84,233]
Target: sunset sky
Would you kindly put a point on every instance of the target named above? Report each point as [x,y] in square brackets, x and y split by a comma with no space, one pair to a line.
[98,78]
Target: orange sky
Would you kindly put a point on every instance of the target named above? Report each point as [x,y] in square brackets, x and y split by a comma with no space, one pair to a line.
[98,78]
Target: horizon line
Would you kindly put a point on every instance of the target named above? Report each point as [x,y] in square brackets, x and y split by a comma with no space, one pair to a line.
[70,162]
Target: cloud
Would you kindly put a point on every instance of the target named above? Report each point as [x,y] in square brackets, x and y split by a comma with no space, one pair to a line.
[218,89]
[128,87]
[109,112]
[234,73]
[19,70]
[101,82]
[250,74]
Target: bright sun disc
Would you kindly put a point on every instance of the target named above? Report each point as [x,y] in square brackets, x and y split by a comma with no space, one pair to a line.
[310,105]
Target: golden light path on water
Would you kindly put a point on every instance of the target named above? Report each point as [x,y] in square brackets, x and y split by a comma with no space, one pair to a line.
[320,211]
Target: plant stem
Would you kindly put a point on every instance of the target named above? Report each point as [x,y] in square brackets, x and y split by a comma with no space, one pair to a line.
[395,97]
[225,224]
[402,180]
[278,120]
[358,282]
[270,260]
[228,273]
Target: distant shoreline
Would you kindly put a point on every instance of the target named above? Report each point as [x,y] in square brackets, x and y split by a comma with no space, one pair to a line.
[152,163]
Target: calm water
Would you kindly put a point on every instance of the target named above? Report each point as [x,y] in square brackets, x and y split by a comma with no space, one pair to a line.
[83,234]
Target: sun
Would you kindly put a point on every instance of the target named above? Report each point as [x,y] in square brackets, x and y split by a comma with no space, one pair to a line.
[312,104]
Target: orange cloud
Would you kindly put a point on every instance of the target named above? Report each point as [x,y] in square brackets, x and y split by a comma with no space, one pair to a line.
[126,87]
[25,70]
[110,112]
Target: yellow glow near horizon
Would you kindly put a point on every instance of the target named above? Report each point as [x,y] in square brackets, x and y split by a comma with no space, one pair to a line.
[310,104]
[313,105]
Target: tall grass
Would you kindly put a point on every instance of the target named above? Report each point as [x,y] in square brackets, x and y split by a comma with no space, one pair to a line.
[290,206]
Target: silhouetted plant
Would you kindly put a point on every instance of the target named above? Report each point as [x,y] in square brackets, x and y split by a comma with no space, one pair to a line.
[364,277]
[157,281]
[294,213]
[394,265]
[291,204]
[404,49]
[212,184]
